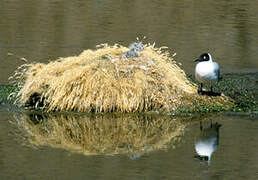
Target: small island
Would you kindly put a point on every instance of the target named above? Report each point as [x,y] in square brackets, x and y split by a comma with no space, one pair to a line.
[138,78]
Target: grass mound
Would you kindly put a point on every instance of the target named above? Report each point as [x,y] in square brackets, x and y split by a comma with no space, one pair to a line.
[108,79]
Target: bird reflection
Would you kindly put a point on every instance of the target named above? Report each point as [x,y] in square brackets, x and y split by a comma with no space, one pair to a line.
[207,142]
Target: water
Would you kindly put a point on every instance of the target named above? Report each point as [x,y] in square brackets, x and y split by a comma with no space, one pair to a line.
[22,158]
[45,30]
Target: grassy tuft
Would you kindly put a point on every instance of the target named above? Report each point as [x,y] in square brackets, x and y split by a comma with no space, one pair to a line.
[102,80]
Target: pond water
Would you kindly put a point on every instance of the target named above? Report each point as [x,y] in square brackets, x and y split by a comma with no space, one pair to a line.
[45,30]
[39,148]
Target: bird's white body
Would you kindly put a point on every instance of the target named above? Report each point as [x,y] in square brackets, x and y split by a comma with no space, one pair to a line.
[207,141]
[207,71]
[206,147]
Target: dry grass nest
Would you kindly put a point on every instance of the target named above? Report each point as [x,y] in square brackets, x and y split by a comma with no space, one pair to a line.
[107,80]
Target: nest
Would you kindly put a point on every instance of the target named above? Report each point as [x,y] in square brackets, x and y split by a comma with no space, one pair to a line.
[108,79]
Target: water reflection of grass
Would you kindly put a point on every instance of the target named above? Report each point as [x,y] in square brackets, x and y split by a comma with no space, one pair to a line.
[132,134]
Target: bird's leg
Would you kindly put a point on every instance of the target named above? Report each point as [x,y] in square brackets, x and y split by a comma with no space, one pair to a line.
[211,88]
[201,127]
[200,90]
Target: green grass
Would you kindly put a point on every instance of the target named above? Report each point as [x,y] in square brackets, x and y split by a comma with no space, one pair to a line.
[241,88]
[6,94]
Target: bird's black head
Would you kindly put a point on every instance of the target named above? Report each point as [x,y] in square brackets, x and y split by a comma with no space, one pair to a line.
[202,158]
[203,57]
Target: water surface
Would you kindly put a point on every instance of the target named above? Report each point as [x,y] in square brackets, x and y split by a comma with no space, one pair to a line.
[41,31]
[235,158]
[45,30]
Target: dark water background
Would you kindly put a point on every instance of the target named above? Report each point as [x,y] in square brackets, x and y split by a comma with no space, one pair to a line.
[45,30]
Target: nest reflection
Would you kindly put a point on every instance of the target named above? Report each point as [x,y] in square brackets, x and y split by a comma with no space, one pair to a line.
[132,134]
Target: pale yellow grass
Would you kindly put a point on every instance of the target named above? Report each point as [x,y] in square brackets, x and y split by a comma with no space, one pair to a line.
[102,81]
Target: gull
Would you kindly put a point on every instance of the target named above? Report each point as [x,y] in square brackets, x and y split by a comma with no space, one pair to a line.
[206,71]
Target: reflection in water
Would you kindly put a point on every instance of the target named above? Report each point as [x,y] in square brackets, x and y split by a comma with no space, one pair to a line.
[131,134]
[208,141]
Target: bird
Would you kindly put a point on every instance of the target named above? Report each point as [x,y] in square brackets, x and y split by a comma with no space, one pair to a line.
[207,141]
[206,71]
[134,49]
